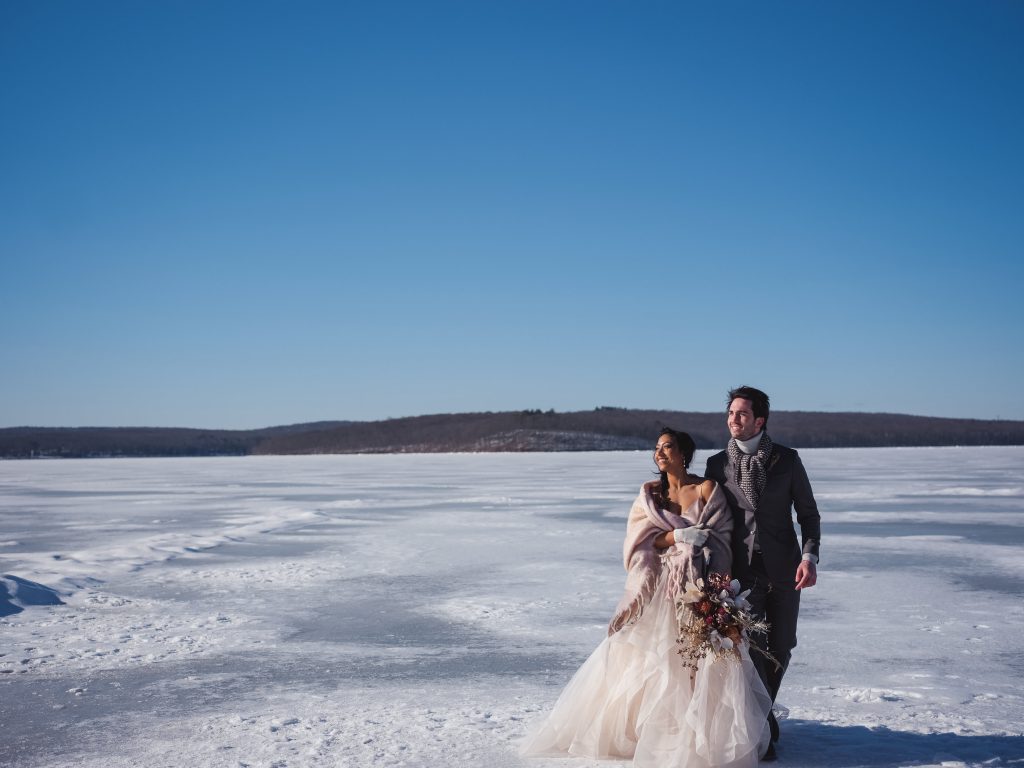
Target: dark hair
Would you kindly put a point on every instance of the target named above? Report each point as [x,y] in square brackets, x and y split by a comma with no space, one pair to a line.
[758,401]
[685,445]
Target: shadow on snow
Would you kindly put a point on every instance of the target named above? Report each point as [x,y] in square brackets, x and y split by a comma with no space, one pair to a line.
[855,746]
[17,593]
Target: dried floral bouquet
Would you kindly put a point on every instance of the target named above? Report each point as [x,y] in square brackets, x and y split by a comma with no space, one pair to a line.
[715,617]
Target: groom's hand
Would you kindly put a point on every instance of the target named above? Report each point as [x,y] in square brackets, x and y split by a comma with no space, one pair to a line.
[806,574]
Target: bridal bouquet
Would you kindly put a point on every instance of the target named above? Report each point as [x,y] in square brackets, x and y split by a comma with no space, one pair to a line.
[714,617]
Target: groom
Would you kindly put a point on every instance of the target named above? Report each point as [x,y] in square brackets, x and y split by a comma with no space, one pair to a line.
[764,482]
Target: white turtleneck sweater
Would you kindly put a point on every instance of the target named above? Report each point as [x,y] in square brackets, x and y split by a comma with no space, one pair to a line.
[750,446]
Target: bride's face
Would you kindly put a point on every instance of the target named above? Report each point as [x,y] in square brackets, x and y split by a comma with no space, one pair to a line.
[668,457]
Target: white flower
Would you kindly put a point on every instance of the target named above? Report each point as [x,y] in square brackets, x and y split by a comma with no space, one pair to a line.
[693,593]
[741,601]
[720,643]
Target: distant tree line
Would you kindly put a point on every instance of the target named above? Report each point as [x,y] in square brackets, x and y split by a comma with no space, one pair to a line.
[602,429]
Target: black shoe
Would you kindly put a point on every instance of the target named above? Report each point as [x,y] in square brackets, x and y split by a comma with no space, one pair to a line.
[769,756]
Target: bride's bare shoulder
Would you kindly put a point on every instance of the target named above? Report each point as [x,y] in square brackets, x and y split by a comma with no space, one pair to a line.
[707,487]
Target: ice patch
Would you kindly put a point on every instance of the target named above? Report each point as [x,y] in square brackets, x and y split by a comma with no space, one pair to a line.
[484,614]
[966,491]
[345,504]
[95,632]
[73,570]
[869,695]
[283,575]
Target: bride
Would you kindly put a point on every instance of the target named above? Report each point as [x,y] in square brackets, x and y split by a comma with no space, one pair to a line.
[634,698]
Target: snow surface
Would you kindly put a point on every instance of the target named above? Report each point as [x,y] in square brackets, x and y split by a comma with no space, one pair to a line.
[423,610]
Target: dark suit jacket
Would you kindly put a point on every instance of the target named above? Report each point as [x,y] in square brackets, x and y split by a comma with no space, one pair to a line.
[787,488]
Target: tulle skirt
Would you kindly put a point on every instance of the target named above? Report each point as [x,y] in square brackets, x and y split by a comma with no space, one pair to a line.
[633,698]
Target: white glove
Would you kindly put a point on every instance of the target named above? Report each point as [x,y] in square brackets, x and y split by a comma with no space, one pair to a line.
[693,536]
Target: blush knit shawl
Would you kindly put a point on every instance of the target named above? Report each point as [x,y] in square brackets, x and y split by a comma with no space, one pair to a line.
[681,562]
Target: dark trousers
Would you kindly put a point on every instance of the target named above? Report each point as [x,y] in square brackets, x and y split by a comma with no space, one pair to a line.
[779,605]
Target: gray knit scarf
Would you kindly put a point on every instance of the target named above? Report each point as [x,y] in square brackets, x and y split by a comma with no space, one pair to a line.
[751,468]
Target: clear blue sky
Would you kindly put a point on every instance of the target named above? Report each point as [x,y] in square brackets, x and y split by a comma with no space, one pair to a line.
[242,214]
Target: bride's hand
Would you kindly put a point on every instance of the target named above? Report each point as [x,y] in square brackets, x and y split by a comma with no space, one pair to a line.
[664,540]
[695,535]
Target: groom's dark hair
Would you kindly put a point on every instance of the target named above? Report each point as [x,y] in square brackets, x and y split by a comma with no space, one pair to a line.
[758,401]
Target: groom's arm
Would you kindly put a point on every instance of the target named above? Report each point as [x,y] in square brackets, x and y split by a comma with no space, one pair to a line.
[807,515]
[809,520]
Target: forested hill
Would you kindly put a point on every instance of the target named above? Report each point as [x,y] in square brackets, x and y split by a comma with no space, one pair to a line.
[601,429]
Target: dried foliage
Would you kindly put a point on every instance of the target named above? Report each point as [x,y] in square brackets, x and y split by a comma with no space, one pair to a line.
[714,617]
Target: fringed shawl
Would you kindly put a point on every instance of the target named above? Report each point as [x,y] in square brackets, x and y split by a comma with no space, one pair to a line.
[644,563]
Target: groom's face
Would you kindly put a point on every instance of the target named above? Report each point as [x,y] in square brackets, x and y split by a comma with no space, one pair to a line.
[741,421]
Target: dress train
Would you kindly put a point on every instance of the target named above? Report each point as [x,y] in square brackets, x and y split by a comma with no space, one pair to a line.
[633,698]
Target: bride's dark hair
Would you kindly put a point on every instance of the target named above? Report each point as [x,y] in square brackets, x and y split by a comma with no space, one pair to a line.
[685,445]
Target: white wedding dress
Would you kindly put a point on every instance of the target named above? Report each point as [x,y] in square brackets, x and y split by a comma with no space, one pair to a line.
[633,698]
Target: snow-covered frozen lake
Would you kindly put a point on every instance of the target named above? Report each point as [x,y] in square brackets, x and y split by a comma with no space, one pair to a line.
[422,610]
